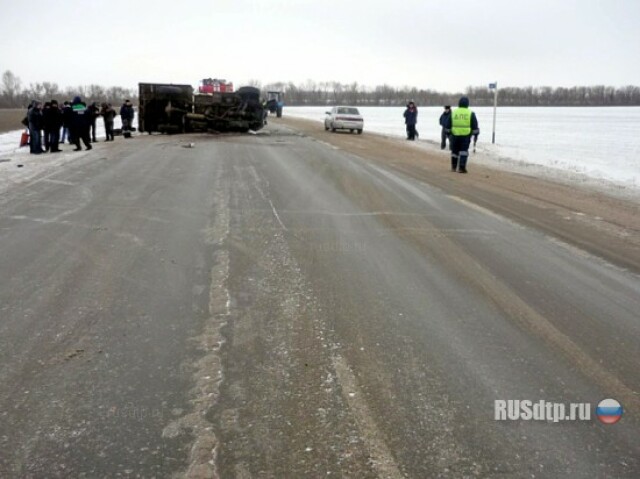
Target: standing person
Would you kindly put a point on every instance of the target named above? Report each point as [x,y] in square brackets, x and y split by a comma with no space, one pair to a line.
[411,120]
[444,119]
[108,114]
[127,114]
[80,124]
[34,123]
[35,127]
[55,122]
[67,114]
[461,125]
[94,113]
[46,124]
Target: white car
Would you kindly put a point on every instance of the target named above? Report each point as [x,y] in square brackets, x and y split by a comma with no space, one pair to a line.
[344,118]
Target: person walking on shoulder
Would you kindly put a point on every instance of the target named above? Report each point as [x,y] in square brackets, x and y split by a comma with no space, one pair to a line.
[411,120]
[462,124]
[444,118]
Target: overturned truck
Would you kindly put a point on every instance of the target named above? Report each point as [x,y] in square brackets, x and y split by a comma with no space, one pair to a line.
[169,108]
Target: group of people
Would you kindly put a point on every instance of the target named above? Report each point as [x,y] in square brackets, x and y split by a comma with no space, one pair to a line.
[458,126]
[50,124]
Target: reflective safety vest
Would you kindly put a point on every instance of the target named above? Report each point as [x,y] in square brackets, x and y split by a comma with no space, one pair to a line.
[78,108]
[461,122]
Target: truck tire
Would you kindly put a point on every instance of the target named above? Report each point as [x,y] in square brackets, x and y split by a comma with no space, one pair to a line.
[279,112]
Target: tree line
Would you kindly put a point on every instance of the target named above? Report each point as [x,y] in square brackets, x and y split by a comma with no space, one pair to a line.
[14,95]
[330,93]
[311,93]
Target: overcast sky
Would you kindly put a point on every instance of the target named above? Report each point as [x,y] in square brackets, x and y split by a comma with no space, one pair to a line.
[442,45]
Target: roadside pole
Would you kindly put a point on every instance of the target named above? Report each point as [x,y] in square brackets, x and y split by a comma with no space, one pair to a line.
[494,87]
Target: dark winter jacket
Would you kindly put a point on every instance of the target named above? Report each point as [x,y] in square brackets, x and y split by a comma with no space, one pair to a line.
[80,117]
[35,118]
[444,119]
[52,117]
[67,116]
[411,116]
[108,113]
[94,112]
[126,112]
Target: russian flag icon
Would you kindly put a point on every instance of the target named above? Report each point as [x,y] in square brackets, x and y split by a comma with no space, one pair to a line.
[609,411]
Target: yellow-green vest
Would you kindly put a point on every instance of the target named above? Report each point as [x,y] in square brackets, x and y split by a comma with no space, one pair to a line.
[461,122]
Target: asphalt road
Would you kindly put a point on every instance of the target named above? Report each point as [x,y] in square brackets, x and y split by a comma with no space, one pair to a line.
[274,306]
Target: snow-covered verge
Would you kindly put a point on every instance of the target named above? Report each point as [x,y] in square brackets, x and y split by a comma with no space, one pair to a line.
[593,147]
[17,166]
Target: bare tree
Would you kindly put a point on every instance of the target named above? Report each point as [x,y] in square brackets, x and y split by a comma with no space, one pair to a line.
[10,88]
[50,90]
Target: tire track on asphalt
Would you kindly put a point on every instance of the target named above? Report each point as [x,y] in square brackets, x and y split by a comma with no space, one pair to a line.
[207,372]
[515,307]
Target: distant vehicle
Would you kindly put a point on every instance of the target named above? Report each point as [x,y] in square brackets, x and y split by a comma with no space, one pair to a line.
[215,85]
[344,118]
[275,102]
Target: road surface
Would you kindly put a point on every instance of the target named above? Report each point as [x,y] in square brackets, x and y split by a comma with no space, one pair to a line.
[291,305]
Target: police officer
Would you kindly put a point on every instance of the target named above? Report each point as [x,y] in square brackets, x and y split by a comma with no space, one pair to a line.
[462,124]
[80,124]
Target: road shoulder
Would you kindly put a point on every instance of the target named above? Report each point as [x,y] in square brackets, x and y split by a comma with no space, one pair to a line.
[605,225]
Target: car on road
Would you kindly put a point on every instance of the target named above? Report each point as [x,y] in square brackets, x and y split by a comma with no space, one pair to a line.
[344,118]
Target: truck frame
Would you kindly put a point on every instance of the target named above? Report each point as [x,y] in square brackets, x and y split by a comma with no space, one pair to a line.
[169,108]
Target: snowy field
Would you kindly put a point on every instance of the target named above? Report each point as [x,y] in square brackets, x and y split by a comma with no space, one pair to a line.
[594,146]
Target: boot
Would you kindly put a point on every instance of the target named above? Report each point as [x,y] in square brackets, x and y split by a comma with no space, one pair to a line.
[463,161]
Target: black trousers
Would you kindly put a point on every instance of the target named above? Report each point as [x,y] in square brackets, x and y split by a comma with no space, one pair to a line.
[459,151]
[81,133]
[108,129]
[411,132]
[54,139]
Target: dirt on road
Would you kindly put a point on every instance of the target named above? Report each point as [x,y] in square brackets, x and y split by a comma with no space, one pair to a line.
[602,224]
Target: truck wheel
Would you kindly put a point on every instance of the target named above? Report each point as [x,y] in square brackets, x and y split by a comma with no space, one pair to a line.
[326,128]
[360,131]
[333,128]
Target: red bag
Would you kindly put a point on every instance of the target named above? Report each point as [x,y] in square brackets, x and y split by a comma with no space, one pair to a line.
[24,139]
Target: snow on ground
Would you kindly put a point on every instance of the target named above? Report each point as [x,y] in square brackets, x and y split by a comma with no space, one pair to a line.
[17,166]
[594,147]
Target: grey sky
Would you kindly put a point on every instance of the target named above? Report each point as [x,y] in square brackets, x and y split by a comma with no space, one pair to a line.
[443,45]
